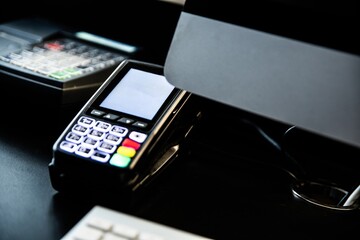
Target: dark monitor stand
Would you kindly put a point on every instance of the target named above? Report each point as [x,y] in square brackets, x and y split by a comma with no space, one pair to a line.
[296,62]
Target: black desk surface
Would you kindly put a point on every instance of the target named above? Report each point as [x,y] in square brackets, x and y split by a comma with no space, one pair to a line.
[226,188]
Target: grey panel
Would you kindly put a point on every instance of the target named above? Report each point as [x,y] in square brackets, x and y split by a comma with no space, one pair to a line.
[315,88]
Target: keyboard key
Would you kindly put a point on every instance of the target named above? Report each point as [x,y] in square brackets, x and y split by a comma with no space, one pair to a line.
[100,223]
[88,233]
[125,231]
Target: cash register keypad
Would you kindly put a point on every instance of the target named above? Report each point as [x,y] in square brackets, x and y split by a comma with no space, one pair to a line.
[62,59]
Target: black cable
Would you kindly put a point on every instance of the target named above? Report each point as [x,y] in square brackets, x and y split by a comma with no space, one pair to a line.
[296,169]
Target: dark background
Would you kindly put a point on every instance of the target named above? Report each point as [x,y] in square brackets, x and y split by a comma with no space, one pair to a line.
[230,185]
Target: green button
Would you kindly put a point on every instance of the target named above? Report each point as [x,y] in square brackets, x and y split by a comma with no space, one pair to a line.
[60,75]
[73,71]
[119,160]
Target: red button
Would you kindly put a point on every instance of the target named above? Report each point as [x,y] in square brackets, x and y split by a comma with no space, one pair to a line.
[130,143]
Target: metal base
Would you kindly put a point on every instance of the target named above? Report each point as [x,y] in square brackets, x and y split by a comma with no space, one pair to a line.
[323,195]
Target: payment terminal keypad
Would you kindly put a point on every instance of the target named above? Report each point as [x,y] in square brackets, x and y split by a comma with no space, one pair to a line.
[103,142]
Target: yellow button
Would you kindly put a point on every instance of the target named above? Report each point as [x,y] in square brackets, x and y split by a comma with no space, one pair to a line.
[126,151]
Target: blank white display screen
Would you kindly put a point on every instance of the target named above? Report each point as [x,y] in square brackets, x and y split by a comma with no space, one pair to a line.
[139,93]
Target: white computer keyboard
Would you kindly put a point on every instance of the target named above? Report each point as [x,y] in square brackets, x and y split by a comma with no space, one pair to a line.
[106,224]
